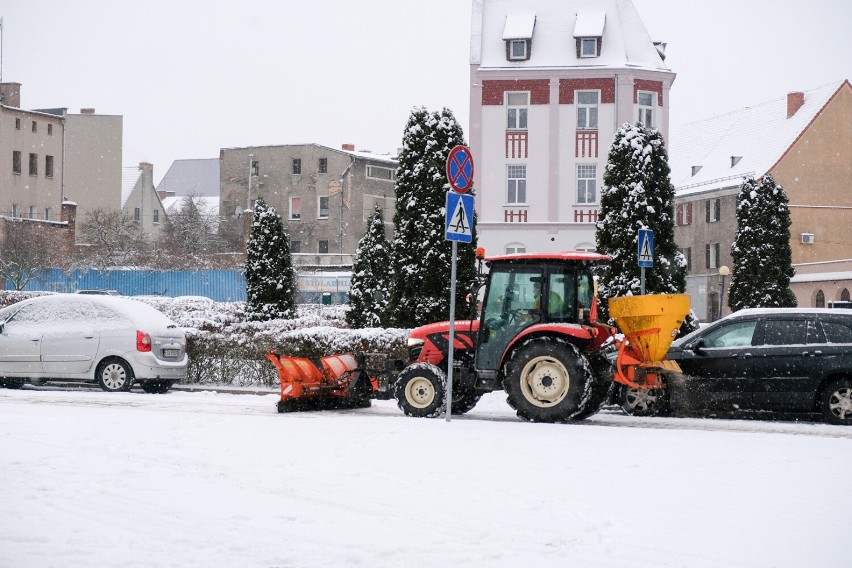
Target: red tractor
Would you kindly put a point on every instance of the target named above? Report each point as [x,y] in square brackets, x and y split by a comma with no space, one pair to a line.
[537,338]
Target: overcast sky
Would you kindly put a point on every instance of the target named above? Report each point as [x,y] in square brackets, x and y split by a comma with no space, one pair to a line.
[191,77]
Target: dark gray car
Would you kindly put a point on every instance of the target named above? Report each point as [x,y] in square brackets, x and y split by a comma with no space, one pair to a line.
[760,360]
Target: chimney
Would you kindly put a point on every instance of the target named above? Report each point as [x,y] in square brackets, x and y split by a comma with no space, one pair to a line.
[87,111]
[146,166]
[795,100]
[10,94]
[349,147]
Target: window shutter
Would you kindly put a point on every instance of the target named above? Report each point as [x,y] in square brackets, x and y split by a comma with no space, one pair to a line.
[718,258]
[718,210]
[689,213]
[707,212]
[707,256]
[679,215]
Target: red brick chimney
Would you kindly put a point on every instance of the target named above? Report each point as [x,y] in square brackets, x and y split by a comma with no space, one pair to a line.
[10,94]
[795,100]
[69,215]
[349,147]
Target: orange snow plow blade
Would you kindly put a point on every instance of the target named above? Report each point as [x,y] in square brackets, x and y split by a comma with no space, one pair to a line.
[318,384]
[649,324]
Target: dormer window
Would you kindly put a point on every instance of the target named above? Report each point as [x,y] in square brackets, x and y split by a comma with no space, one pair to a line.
[588,32]
[518,36]
[518,49]
[589,47]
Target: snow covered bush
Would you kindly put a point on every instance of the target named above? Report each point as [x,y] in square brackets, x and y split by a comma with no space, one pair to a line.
[270,279]
[761,251]
[421,255]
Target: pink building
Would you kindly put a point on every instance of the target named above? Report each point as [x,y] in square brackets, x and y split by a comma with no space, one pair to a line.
[550,83]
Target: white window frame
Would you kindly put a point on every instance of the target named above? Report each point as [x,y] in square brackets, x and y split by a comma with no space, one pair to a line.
[583,178]
[714,210]
[516,184]
[32,211]
[47,213]
[646,111]
[517,110]
[320,208]
[586,41]
[587,113]
[137,214]
[372,172]
[16,212]
[524,55]
[713,251]
[156,216]
[295,215]
[516,248]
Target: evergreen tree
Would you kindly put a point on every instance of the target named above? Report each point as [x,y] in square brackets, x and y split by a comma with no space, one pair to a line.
[370,291]
[761,251]
[421,254]
[638,194]
[270,279]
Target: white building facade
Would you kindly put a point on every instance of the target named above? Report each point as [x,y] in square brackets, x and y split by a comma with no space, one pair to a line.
[550,83]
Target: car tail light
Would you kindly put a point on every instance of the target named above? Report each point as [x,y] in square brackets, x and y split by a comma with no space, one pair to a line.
[143,341]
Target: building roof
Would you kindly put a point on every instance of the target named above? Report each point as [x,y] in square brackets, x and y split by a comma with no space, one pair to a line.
[129,177]
[625,42]
[389,159]
[198,177]
[745,142]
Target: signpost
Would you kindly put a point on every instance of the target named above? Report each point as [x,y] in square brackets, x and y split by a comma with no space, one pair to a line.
[458,228]
[646,253]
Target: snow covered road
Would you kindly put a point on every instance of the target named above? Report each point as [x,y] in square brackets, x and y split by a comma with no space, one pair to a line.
[205,479]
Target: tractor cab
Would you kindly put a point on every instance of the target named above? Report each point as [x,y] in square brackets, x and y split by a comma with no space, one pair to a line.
[533,293]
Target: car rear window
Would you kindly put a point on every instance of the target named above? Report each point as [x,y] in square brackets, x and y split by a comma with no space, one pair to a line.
[785,332]
[837,332]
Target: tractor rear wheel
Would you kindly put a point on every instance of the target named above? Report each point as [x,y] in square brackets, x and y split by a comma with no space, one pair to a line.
[548,380]
[419,390]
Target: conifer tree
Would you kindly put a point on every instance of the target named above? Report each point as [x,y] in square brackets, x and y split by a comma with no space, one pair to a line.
[761,251]
[638,194]
[270,279]
[369,293]
[421,254]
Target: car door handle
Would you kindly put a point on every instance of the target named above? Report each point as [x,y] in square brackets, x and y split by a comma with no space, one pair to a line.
[814,354]
[88,336]
[37,339]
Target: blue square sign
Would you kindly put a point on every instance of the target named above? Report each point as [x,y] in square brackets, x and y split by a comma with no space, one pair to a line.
[459,223]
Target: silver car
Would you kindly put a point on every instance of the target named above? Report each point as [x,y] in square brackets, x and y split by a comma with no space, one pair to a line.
[109,340]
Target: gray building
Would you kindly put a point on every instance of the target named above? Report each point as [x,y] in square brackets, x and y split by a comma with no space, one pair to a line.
[30,159]
[324,195]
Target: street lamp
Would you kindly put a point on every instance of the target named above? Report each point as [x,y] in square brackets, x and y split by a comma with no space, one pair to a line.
[248,191]
[723,271]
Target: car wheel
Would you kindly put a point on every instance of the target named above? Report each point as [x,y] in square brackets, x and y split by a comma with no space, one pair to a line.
[156,387]
[548,380]
[419,390]
[642,402]
[836,402]
[114,375]
[12,383]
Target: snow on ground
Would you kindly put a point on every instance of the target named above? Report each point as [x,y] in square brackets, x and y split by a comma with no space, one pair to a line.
[209,479]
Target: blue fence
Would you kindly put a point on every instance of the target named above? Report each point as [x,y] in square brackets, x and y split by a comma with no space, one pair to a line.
[218,285]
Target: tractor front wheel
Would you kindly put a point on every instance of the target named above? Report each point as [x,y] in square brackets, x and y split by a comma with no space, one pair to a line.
[548,380]
[419,390]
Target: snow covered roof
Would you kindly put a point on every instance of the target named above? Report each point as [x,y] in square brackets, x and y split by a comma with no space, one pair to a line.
[519,26]
[721,150]
[129,177]
[822,277]
[206,205]
[198,177]
[590,24]
[625,41]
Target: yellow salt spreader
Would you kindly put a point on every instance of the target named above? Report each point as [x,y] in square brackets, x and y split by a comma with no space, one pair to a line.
[649,323]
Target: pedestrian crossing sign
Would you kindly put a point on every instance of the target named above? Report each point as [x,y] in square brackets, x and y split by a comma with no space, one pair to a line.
[459,223]
[646,248]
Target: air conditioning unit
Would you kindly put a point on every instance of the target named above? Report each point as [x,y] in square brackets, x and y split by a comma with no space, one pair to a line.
[807,238]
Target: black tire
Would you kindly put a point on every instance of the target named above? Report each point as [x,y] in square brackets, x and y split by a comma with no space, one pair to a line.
[156,387]
[603,371]
[548,380]
[464,401]
[420,390]
[642,402]
[12,383]
[836,402]
[114,375]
